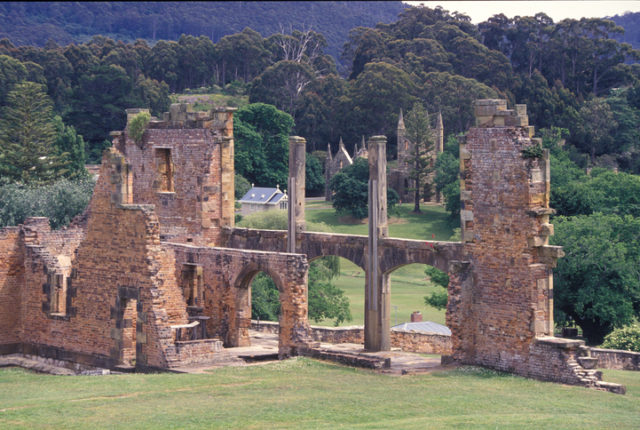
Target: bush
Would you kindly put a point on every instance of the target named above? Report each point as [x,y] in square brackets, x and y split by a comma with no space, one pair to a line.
[138,126]
[626,338]
[59,201]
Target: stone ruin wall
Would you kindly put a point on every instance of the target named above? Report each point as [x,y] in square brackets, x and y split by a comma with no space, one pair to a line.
[500,294]
[11,285]
[184,166]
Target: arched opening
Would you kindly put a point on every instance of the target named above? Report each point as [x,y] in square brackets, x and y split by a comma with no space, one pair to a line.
[336,292]
[418,309]
[257,298]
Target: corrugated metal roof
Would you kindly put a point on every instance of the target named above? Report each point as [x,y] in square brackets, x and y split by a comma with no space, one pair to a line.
[259,195]
[424,327]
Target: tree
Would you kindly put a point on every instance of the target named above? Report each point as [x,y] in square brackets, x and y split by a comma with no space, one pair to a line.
[350,186]
[60,201]
[447,177]
[12,72]
[314,178]
[262,144]
[378,93]
[67,141]
[422,138]
[597,283]
[593,133]
[27,137]
[437,299]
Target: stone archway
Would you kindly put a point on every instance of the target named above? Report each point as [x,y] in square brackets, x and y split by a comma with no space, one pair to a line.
[293,319]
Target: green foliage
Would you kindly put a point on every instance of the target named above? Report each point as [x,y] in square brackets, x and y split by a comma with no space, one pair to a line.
[531,152]
[69,142]
[241,186]
[314,178]
[422,137]
[437,276]
[350,187]
[597,283]
[262,144]
[447,180]
[437,299]
[27,137]
[625,338]
[12,72]
[265,299]
[326,301]
[60,201]
[138,126]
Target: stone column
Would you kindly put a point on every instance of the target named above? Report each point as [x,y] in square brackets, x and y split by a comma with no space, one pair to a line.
[296,186]
[377,336]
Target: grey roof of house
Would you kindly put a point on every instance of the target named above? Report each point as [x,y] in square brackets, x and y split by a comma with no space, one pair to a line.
[261,195]
[424,327]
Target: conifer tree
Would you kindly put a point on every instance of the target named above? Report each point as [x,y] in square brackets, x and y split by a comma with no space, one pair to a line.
[27,135]
[422,138]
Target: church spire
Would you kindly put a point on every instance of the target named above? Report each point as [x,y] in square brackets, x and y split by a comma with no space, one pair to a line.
[400,121]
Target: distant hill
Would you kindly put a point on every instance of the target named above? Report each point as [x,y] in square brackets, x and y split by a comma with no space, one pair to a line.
[34,23]
[630,21]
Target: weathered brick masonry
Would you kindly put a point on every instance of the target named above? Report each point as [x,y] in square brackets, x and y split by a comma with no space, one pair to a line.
[155,275]
[500,307]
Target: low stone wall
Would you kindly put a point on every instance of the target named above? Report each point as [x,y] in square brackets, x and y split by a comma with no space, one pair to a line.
[410,341]
[425,343]
[616,359]
[196,351]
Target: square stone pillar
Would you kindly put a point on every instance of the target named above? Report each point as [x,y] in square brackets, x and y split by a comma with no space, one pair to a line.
[296,185]
[377,336]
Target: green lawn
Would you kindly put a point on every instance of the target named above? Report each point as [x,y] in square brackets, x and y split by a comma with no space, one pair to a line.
[408,284]
[431,224]
[408,289]
[306,394]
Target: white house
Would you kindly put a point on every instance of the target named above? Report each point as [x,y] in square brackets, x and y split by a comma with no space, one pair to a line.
[263,199]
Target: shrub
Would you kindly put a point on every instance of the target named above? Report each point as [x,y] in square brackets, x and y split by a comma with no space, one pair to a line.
[626,338]
[60,201]
[138,125]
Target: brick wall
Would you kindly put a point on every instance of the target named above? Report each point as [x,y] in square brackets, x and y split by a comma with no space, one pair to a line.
[11,283]
[227,274]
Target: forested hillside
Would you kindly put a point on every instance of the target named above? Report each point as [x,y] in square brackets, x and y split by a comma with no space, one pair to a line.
[630,21]
[34,23]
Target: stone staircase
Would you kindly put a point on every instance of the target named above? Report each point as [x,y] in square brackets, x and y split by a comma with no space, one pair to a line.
[584,367]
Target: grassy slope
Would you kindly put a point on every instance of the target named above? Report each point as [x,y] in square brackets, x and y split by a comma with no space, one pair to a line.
[301,393]
[408,284]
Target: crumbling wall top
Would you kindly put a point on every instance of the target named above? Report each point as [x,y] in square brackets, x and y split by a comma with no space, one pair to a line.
[494,113]
[182,115]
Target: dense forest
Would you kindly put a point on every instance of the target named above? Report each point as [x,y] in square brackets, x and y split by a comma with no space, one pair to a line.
[580,83]
[35,23]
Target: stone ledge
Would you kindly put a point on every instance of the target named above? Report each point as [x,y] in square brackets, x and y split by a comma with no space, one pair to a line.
[560,342]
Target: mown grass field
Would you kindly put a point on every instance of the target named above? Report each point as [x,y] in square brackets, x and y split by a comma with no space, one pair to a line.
[409,285]
[306,394]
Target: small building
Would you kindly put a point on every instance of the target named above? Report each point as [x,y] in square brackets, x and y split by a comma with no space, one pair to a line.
[260,199]
[423,327]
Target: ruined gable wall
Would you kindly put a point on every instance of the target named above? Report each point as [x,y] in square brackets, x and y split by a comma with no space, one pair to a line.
[195,158]
[184,166]
[11,284]
[121,253]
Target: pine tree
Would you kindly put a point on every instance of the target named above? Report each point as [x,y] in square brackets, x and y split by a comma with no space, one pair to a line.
[27,135]
[422,138]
